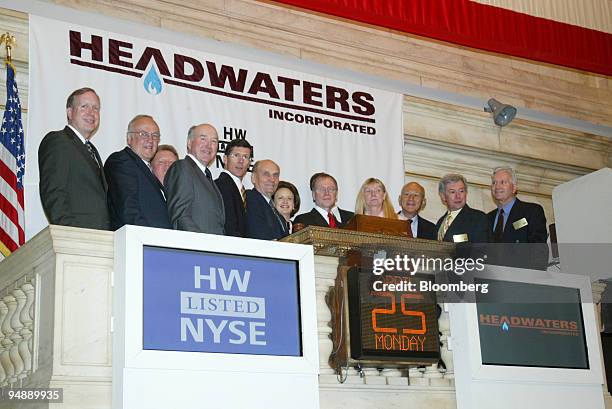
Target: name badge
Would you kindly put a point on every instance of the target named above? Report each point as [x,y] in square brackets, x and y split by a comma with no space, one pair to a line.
[459,238]
[520,223]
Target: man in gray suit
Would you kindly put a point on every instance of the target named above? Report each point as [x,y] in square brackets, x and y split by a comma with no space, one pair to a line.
[73,188]
[194,201]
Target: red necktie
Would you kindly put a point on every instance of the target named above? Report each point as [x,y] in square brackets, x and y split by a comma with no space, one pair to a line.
[332,220]
[410,228]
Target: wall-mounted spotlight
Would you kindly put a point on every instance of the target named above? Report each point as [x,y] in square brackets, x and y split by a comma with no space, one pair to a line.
[502,114]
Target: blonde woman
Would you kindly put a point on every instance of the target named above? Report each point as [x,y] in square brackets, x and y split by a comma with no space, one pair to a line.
[373,200]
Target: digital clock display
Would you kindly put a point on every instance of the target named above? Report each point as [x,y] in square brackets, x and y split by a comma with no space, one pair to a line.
[390,322]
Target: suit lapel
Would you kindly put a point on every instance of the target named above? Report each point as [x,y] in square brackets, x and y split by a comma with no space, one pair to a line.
[227,179]
[273,219]
[82,149]
[318,215]
[203,179]
[440,220]
[344,215]
[146,171]
[282,224]
[80,146]
[277,218]
[457,223]
[101,169]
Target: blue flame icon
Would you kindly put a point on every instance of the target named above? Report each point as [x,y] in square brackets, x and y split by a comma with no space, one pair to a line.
[505,326]
[152,82]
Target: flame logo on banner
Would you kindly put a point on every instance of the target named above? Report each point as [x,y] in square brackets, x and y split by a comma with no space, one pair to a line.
[505,327]
[152,82]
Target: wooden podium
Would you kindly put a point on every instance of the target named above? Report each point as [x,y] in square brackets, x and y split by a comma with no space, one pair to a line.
[338,242]
[379,225]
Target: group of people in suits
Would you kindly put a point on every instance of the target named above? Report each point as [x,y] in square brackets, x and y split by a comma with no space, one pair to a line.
[146,184]
[272,202]
[514,221]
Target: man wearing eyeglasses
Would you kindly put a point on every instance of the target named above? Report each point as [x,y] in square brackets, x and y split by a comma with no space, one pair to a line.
[194,201]
[324,190]
[135,195]
[412,200]
[236,161]
[73,189]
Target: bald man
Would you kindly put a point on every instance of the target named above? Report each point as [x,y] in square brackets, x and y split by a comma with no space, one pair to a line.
[412,200]
[263,220]
[194,201]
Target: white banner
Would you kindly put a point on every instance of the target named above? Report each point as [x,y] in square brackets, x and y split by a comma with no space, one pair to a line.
[305,123]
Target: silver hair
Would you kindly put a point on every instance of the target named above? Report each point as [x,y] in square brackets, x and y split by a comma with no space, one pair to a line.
[129,131]
[451,178]
[505,169]
[191,131]
[136,118]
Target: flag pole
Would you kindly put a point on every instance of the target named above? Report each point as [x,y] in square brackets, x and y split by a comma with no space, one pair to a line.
[13,159]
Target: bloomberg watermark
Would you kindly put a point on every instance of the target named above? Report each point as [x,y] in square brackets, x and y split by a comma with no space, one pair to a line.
[408,266]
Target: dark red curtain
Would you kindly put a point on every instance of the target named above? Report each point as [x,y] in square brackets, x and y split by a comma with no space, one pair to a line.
[480,26]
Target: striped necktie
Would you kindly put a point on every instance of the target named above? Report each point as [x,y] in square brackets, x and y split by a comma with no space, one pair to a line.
[445,225]
[92,152]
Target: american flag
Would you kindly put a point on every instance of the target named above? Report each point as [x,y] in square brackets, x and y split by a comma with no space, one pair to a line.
[12,170]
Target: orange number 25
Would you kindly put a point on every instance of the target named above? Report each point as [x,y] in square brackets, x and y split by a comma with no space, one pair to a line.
[391,311]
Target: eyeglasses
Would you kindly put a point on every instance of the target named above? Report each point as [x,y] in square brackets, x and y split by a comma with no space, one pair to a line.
[235,155]
[326,190]
[87,107]
[147,135]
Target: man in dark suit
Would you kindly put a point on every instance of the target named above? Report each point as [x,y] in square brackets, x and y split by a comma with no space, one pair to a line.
[263,220]
[324,190]
[412,200]
[194,201]
[236,162]
[460,223]
[73,188]
[135,195]
[516,222]
[521,222]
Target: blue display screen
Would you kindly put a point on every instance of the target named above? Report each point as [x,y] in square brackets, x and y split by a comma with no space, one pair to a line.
[213,302]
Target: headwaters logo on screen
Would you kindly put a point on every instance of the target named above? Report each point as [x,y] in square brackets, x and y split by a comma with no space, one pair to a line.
[545,325]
